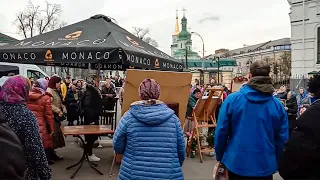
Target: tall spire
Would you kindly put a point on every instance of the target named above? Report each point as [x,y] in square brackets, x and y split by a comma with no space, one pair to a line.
[184,20]
[176,31]
[184,12]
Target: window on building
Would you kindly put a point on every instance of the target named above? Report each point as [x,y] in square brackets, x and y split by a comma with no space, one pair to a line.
[287,47]
[318,45]
[181,45]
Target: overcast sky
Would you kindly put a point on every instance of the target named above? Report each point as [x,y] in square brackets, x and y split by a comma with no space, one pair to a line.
[222,24]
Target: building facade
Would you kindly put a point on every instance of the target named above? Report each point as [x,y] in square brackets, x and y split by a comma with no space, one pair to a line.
[277,53]
[305,33]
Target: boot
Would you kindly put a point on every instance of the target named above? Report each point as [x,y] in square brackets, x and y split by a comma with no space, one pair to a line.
[50,162]
[48,155]
[55,157]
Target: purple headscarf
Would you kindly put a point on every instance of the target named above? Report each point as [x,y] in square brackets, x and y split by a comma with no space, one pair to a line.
[15,90]
[41,84]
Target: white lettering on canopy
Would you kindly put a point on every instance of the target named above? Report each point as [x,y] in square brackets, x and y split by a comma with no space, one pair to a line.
[102,66]
[171,65]
[109,66]
[18,56]
[78,65]
[86,55]
[138,60]
[39,43]
[62,43]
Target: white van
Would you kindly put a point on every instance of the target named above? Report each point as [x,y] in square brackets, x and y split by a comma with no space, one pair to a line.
[26,70]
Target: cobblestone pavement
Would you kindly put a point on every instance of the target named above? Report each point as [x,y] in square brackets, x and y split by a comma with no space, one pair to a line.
[192,168]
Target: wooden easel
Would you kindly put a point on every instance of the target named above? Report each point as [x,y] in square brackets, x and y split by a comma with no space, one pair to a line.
[203,112]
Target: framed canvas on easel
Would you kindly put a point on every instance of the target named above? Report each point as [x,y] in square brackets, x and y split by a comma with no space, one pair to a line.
[202,114]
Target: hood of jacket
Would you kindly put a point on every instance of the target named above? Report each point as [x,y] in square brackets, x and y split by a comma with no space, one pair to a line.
[254,95]
[151,114]
[34,95]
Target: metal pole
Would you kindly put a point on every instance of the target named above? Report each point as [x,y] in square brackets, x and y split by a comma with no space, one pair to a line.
[218,72]
[186,57]
[202,48]
[202,55]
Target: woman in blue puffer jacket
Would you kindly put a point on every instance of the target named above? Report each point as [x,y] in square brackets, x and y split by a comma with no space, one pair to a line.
[150,138]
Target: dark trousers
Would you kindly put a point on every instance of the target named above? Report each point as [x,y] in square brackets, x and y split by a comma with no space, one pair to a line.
[90,139]
[233,176]
[48,153]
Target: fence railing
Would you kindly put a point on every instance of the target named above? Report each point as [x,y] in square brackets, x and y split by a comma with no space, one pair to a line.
[292,82]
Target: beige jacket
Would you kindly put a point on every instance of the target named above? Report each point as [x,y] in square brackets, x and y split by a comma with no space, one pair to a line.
[57,105]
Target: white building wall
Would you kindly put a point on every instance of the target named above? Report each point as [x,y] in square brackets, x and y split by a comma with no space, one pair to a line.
[304,35]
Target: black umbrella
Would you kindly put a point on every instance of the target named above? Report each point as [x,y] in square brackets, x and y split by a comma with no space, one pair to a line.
[97,41]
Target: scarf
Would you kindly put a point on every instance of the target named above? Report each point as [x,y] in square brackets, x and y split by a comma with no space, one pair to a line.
[15,90]
[41,85]
[262,83]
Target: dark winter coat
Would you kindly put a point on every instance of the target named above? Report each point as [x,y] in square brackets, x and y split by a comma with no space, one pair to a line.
[12,163]
[91,103]
[292,106]
[300,158]
[72,100]
[108,102]
[24,123]
[191,103]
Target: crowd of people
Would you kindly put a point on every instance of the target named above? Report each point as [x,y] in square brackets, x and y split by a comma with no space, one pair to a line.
[33,110]
[259,130]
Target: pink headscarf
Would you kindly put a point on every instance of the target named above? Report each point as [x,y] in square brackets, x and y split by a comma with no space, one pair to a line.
[15,90]
[149,90]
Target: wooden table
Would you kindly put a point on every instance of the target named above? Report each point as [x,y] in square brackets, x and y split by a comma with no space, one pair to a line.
[77,131]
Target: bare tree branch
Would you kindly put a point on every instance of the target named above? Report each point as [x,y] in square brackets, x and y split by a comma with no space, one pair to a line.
[142,34]
[34,20]
[285,63]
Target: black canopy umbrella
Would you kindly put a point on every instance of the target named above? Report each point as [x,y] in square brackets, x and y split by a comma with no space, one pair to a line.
[97,41]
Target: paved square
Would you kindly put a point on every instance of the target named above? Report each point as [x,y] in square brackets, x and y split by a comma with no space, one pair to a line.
[192,168]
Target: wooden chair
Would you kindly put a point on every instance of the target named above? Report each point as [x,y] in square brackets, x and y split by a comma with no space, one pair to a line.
[202,114]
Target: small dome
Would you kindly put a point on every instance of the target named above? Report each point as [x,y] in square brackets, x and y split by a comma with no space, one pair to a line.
[184,19]
[184,34]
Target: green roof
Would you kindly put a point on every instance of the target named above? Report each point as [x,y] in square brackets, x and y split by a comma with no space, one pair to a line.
[313,72]
[6,39]
[184,35]
[194,63]
[181,52]
[184,19]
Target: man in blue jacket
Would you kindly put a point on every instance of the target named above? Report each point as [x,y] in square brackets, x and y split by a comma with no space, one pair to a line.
[252,128]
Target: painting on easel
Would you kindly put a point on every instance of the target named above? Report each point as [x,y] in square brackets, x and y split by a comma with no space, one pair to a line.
[238,82]
[203,117]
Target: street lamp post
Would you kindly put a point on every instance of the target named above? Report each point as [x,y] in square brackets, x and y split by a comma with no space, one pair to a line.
[186,57]
[202,48]
[217,59]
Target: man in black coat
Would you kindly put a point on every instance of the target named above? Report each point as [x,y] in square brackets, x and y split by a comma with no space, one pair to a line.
[91,105]
[300,158]
[12,157]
